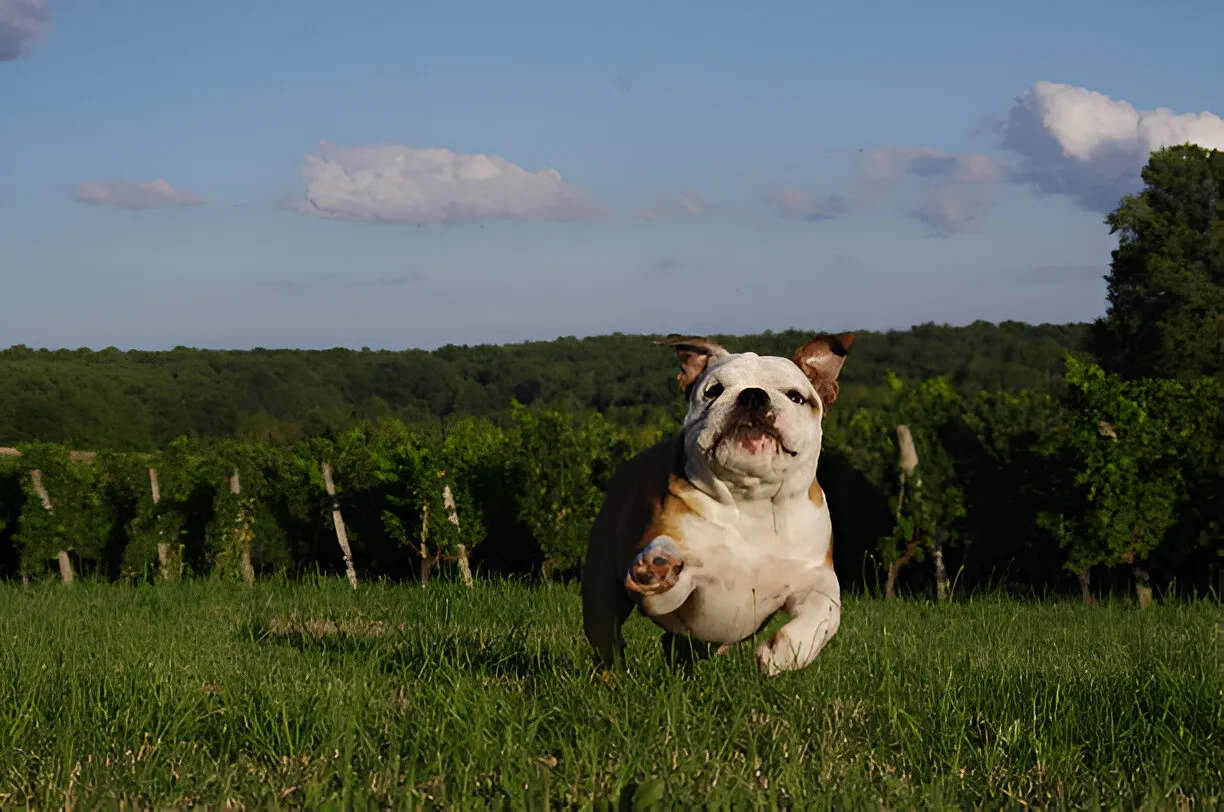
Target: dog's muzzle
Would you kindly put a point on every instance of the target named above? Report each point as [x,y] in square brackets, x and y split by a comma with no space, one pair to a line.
[752,420]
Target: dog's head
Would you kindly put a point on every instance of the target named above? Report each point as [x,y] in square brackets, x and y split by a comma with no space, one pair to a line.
[754,421]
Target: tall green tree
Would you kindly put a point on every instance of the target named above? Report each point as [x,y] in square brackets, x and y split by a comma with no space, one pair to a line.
[1166,281]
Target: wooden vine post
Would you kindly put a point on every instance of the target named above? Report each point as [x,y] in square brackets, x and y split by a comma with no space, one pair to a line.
[244,532]
[465,567]
[65,563]
[329,483]
[427,560]
[169,571]
[908,463]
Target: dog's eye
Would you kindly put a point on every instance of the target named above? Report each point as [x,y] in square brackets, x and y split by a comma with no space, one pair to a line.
[713,390]
[796,397]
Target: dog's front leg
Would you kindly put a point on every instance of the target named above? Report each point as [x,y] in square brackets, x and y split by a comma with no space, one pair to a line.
[815,616]
[660,577]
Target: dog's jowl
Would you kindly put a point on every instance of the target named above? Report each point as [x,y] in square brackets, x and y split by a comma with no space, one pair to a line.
[712,532]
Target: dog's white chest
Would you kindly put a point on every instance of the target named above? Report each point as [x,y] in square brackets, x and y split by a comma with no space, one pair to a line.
[745,566]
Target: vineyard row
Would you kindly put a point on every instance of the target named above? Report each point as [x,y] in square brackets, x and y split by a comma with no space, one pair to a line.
[1110,480]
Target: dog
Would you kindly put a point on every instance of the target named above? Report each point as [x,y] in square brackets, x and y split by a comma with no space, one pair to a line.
[713,531]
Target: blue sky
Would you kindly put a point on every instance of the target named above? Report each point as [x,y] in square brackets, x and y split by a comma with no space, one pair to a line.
[307,173]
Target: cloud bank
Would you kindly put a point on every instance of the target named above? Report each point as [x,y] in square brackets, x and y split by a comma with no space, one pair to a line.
[393,183]
[1077,142]
[23,25]
[1056,139]
[126,194]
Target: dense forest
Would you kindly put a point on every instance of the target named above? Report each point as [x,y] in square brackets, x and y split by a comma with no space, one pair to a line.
[113,400]
[1068,458]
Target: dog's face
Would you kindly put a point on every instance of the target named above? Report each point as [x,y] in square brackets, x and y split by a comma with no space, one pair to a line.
[754,421]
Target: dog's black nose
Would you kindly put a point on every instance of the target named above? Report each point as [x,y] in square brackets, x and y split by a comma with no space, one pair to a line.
[753,398]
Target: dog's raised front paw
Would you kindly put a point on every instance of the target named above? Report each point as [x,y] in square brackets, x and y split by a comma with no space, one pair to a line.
[654,571]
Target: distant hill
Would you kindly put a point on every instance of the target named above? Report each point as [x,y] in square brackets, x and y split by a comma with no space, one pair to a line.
[138,400]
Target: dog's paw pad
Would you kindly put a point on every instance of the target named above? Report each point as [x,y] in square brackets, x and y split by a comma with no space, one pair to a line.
[653,572]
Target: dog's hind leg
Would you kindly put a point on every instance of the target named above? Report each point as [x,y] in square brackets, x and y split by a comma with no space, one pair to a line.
[605,608]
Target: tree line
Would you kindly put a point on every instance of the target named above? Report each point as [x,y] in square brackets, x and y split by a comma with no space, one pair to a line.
[142,401]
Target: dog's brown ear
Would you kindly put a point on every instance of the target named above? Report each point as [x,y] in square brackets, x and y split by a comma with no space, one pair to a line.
[821,360]
[694,354]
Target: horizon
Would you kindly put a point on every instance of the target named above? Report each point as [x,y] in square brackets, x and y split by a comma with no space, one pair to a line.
[296,177]
[553,340]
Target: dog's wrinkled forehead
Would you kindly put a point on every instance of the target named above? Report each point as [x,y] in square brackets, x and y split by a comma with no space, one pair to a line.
[765,371]
[814,367]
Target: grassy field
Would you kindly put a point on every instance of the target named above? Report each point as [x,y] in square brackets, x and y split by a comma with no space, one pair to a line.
[310,694]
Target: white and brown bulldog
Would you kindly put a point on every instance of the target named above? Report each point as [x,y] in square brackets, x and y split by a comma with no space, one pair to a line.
[712,532]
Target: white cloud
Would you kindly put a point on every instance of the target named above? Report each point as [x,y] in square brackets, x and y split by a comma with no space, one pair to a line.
[127,194]
[790,201]
[1062,140]
[1080,143]
[394,183]
[23,24]
[1056,140]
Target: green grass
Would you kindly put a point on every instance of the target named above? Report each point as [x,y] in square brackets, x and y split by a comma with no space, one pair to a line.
[309,694]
